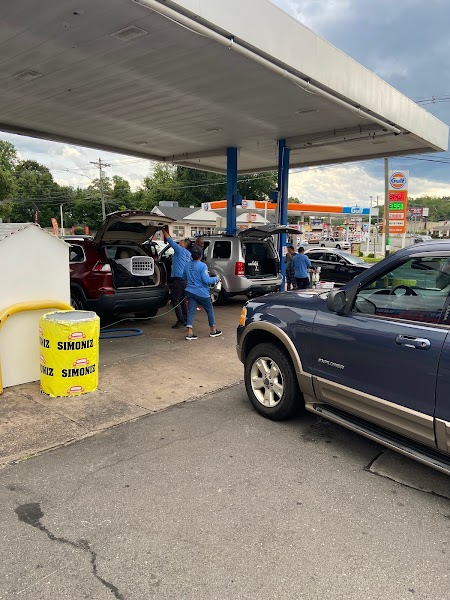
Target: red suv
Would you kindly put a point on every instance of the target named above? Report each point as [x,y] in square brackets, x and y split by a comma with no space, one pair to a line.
[117,273]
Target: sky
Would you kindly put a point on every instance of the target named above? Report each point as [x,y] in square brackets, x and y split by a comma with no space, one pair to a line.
[406,43]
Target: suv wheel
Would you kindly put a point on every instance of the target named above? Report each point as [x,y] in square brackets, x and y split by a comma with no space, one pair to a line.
[217,298]
[338,246]
[271,382]
[75,301]
[322,245]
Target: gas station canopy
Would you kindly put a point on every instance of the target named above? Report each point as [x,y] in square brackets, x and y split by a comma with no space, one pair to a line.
[179,82]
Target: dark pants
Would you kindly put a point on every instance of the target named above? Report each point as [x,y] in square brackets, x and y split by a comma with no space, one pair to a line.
[177,296]
[302,283]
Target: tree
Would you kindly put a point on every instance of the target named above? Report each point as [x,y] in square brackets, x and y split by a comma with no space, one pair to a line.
[37,190]
[191,187]
[8,160]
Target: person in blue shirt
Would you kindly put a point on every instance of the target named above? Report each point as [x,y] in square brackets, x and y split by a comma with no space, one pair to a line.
[301,264]
[181,256]
[198,294]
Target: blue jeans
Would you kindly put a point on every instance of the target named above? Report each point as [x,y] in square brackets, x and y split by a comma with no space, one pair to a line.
[205,303]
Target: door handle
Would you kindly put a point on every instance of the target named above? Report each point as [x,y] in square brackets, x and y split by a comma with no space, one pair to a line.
[413,342]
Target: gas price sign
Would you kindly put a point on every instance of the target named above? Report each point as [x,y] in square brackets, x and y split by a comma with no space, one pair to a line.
[398,201]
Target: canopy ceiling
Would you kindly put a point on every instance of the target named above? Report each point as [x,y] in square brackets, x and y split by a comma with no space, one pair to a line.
[181,81]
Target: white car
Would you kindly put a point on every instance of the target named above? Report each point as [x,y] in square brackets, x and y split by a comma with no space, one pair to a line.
[333,242]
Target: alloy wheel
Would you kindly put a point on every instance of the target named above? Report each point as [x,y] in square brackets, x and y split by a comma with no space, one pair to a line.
[267,381]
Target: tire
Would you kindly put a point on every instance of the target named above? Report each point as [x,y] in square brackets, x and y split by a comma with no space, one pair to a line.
[277,399]
[338,246]
[322,245]
[217,298]
[75,301]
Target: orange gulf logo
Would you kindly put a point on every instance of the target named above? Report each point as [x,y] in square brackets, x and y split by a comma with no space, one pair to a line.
[77,335]
[42,359]
[80,361]
[75,389]
[397,180]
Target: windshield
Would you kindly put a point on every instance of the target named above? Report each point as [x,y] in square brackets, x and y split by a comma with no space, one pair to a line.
[355,260]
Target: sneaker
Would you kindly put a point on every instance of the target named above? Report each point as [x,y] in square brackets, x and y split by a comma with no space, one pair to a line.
[216,333]
[178,325]
[191,336]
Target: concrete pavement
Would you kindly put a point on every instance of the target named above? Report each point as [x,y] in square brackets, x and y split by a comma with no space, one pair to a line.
[207,500]
[138,376]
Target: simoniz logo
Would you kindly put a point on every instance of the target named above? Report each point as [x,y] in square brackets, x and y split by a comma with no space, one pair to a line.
[78,345]
[77,335]
[75,389]
[80,361]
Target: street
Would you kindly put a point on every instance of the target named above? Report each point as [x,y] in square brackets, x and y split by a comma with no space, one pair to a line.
[207,500]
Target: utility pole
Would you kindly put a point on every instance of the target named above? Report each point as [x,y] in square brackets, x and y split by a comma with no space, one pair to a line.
[100,166]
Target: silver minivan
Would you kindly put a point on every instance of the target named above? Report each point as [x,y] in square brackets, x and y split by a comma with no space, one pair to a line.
[248,264]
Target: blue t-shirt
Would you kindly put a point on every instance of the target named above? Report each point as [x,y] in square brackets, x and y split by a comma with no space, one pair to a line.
[301,263]
[181,256]
[198,280]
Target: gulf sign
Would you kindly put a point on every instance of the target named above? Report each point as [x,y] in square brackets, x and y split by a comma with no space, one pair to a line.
[398,201]
[398,180]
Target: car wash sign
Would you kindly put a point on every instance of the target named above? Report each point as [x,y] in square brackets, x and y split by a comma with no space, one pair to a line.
[398,201]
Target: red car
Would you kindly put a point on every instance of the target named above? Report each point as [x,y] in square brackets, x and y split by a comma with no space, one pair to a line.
[118,271]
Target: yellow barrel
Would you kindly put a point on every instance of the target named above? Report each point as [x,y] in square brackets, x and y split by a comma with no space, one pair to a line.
[69,342]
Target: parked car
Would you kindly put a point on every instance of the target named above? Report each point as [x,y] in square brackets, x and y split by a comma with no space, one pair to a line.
[333,242]
[373,356]
[114,273]
[422,238]
[335,265]
[247,264]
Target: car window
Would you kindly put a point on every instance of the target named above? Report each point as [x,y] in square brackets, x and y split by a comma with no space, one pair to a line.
[315,255]
[416,290]
[355,260]
[76,254]
[222,249]
[329,257]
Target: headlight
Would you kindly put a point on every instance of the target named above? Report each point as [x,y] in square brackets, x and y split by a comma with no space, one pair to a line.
[243,316]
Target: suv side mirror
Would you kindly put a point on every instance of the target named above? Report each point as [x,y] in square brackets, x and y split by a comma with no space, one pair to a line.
[336,301]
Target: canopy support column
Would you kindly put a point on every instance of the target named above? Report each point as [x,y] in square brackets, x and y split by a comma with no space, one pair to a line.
[284,153]
[232,198]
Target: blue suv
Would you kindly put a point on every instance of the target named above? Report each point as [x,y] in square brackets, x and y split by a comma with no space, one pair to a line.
[373,356]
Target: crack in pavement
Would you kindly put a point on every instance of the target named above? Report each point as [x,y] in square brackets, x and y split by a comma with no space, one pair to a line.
[31,514]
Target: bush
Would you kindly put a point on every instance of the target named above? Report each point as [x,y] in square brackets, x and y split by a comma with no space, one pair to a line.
[361,254]
[371,255]
[79,231]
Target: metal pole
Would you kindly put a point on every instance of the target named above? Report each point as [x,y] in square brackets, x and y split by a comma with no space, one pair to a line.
[231,190]
[283,181]
[265,212]
[387,241]
[62,219]
[370,223]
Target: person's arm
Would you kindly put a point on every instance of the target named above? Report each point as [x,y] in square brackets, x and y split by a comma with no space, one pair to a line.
[308,262]
[206,279]
[176,247]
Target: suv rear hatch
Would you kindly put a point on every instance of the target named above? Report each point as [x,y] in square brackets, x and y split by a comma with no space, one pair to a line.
[261,257]
[120,239]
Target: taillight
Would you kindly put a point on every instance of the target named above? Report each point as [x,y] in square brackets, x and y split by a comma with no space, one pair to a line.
[102,268]
[239,268]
